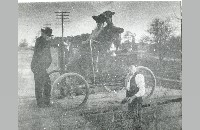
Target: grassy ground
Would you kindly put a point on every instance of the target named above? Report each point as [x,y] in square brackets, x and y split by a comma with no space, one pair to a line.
[32,118]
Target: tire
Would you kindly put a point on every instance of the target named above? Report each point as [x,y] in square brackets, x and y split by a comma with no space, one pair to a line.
[140,68]
[84,96]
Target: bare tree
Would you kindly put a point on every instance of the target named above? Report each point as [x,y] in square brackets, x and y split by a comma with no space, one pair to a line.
[161,31]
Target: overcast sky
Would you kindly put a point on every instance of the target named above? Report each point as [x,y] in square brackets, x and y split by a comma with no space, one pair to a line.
[132,16]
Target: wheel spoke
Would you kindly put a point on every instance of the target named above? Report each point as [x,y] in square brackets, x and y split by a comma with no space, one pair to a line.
[74,87]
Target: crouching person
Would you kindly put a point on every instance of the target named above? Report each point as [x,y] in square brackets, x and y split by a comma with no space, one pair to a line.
[135,90]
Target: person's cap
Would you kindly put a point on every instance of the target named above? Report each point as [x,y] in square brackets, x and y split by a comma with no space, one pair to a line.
[133,68]
[47,31]
[108,14]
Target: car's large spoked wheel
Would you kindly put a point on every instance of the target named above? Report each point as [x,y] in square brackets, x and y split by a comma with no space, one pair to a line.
[75,88]
[53,76]
[150,80]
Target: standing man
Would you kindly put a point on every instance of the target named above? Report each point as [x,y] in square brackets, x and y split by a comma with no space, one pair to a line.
[135,90]
[40,63]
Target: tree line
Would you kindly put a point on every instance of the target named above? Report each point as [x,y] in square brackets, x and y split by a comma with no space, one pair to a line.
[161,40]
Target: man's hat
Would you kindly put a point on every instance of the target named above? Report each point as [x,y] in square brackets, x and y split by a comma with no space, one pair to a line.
[47,31]
[133,69]
[108,14]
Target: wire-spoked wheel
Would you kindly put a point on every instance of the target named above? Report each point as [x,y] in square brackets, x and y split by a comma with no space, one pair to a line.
[75,89]
[150,80]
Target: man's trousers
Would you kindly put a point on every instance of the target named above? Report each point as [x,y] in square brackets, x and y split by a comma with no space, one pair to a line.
[42,88]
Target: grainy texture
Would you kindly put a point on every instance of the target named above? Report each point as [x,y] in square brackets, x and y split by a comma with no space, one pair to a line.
[152,38]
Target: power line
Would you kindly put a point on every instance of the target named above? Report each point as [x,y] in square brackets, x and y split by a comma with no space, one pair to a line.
[62,12]
[62,15]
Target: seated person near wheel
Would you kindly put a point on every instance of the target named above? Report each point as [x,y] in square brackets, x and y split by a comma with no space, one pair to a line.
[135,89]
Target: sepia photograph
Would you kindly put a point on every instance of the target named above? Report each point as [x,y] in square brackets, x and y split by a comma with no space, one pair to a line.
[99,65]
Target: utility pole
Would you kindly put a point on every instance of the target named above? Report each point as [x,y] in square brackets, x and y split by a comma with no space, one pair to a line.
[61,53]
